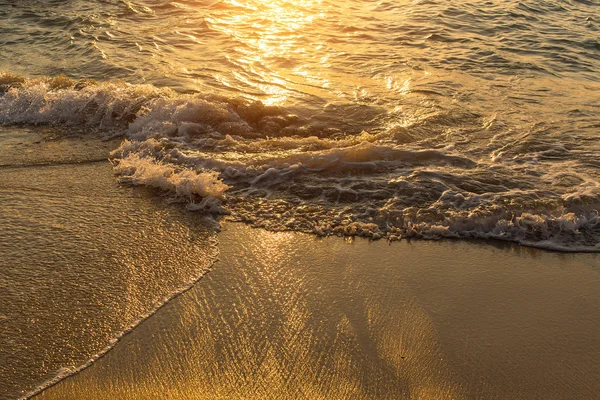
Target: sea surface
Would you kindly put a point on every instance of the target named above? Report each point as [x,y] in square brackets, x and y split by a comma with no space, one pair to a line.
[382,119]
[427,119]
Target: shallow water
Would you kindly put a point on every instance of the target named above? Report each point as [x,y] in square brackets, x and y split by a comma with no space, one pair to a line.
[82,260]
[289,316]
[382,119]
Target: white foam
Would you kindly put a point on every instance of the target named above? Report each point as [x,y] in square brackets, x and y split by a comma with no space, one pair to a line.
[278,173]
[108,106]
[184,183]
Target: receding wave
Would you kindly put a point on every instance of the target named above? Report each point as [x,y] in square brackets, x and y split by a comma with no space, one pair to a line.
[453,173]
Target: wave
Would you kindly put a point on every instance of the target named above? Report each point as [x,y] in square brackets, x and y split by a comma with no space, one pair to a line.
[453,173]
[185,183]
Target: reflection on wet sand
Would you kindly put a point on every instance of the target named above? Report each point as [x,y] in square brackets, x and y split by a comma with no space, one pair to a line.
[286,316]
[81,259]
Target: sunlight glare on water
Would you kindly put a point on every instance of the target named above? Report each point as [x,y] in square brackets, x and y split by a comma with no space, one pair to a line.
[382,119]
[271,48]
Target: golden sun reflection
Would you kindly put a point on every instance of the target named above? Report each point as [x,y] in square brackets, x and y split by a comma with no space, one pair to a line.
[272,47]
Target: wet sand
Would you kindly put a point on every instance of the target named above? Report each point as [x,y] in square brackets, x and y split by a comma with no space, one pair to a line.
[285,316]
[82,258]
[281,315]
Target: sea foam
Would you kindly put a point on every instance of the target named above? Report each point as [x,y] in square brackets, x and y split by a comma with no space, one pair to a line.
[185,184]
[270,167]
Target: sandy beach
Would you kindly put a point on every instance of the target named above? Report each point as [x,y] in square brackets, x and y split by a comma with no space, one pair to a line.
[82,258]
[285,315]
[280,314]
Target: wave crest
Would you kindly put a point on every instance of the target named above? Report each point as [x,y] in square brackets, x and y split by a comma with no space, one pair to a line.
[450,174]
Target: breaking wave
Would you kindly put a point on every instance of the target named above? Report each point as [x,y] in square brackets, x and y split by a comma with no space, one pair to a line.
[452,173]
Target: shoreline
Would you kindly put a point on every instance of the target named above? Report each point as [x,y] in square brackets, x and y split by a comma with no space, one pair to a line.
[69,373]
[83,259]
[449,325]
[66,373]
[319,200]
[413,314]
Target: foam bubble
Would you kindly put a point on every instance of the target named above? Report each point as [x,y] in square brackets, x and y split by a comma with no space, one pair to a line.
[182,183]
[452,173]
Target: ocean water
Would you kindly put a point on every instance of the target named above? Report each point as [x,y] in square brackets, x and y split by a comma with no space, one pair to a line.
[426,119]
[382,119]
